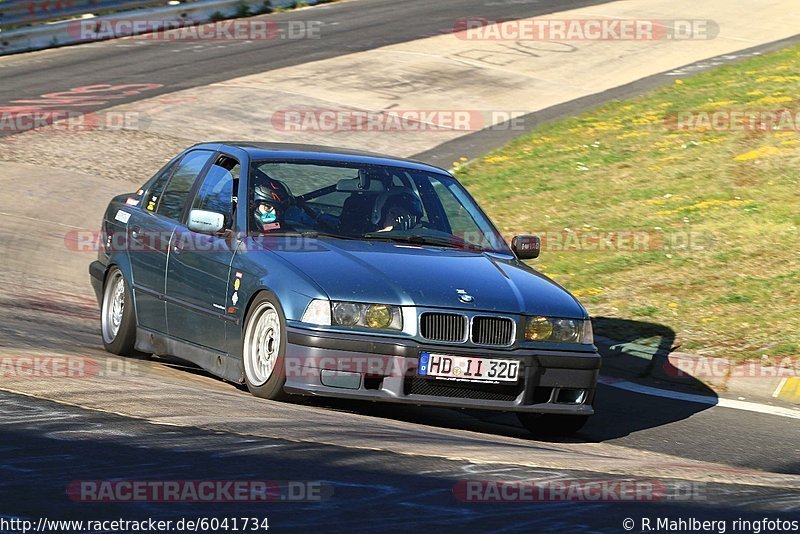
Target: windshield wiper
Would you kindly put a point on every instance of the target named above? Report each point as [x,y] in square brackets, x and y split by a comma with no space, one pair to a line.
[309,234]
[419,239]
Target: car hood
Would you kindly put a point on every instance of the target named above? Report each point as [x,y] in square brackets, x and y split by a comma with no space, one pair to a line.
[394,273]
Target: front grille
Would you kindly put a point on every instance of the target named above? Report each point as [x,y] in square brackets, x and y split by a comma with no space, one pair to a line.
[462,390]
[443,327]
[492,331]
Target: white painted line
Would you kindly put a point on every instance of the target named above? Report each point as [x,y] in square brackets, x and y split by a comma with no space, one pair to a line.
[780,387]
[701,399]
[18,216]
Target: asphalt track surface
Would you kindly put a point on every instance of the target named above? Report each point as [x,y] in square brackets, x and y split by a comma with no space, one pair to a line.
[48,446]
[348,27]
[54,433]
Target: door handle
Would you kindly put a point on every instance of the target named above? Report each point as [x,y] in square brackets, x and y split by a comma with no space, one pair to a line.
[135,232]
[177,248]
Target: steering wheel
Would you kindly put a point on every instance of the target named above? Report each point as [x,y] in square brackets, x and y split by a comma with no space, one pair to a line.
[311,212]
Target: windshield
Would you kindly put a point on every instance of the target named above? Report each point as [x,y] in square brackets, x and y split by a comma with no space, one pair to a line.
[353,201]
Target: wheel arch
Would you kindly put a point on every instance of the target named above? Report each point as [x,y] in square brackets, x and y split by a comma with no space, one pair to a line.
[127,275]
[261,290]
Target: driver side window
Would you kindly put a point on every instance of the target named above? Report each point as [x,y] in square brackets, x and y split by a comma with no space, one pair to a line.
[217,193]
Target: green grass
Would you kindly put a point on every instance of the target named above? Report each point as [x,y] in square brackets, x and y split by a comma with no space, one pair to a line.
[734,290]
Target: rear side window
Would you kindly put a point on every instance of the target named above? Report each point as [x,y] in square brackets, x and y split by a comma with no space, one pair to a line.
[177,191]
[157,187]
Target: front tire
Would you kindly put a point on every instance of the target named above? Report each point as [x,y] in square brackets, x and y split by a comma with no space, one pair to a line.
[264,348]
[552,425]
[117,317]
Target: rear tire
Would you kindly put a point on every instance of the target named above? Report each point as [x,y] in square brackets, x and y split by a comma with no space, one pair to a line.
[264,348]
[552,425]
[117,317]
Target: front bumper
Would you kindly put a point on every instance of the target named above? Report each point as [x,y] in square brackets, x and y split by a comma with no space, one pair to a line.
[377,369]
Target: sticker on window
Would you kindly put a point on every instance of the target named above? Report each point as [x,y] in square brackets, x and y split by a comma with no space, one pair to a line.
[122,216]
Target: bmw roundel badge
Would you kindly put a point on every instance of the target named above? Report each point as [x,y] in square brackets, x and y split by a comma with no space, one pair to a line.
[463,296]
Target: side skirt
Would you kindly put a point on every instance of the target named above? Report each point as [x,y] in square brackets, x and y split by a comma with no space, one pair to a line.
[217,363]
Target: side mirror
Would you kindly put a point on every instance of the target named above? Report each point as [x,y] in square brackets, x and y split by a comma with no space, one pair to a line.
[206,222]
[526,247]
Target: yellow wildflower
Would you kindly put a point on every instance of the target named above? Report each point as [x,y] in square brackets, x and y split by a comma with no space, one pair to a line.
[763,152]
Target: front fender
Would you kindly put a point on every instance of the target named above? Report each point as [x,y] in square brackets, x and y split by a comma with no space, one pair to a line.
[259,271]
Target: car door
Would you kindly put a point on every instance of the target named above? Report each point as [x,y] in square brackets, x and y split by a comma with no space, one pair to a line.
[150,233]
[198,272]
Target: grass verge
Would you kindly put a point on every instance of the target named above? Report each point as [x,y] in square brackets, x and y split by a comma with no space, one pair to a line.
[715,210]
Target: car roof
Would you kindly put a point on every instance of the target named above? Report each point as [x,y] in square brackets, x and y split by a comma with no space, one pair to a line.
[293,151]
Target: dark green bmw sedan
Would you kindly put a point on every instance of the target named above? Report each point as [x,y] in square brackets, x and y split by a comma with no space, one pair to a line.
[301,270]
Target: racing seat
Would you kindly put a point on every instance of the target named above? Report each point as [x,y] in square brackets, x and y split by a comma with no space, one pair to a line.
[397,208]
[357,213]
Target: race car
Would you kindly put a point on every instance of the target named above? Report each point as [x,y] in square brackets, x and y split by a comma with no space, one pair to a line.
[306,270]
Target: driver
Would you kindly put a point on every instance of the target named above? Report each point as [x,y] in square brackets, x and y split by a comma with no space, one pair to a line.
[397,209]
[271,199]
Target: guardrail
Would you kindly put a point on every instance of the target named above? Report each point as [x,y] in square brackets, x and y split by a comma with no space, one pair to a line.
[22,12]
[38,37]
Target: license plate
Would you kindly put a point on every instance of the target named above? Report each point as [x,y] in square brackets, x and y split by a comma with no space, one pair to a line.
[467,369]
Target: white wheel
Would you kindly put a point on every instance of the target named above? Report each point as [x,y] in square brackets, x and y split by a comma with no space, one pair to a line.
[113,306]
[117,317]
[262,344]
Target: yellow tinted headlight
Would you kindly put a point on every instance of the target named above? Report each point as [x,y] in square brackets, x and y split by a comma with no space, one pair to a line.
[538,329]
[378,316]
[357,314]
[555,330]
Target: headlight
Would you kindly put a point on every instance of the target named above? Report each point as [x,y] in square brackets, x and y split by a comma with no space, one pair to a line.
[553,330]
[538,329]
[318,312]
[346,313]
[376,316]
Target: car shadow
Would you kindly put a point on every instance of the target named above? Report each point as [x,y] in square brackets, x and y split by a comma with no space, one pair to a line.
[619,412]
[638,355]
[640,347]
